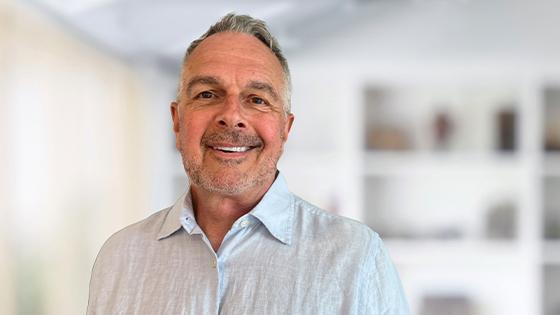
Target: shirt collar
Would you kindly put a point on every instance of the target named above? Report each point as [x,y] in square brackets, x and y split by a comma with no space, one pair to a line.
[275,211]
[172,221]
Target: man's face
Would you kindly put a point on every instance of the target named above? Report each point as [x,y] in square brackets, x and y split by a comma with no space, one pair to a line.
[230,124]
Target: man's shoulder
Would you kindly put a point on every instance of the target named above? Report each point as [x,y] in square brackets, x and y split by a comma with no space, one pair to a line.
[320,222]
[145,230]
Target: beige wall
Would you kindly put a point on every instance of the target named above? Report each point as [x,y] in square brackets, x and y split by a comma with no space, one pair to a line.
[72,161]
[6,292]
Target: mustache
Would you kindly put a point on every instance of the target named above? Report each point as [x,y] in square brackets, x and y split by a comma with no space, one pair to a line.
[234,137]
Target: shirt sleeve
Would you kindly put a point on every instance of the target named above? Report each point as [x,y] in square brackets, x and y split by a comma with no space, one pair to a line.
[383,293]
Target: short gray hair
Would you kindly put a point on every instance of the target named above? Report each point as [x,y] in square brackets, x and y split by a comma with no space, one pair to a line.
[247,25]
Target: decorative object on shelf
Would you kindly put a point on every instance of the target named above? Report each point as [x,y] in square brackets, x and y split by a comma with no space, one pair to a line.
[447,305]
[552,223]
[442,126]
[552,136]
[388,138]
[447,233]
[506,121]
[551,202]
[551,119]
[501,221]
[387,127]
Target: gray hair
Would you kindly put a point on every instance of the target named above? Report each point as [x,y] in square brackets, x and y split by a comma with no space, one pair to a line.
[248,25]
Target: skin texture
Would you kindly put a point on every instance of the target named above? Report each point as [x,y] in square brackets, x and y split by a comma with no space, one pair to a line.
[232,96]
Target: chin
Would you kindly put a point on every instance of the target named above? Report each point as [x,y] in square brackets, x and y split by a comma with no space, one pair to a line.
[230,184]
[230,181]
[224,183]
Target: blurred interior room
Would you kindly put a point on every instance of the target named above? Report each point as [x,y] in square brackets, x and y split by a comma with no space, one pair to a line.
[435,122]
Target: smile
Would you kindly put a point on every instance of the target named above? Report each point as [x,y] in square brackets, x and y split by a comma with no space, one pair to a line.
[232,149]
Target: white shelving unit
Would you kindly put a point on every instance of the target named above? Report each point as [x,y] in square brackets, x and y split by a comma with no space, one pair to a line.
[433,202]
[418,190]
[530,174]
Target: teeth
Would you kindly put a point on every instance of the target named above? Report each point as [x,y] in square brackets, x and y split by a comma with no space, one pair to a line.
[232,149]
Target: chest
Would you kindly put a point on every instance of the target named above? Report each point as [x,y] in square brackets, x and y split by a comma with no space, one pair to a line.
[261,277]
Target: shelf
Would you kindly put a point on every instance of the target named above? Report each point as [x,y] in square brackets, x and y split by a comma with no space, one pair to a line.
[454,252]
[391,163]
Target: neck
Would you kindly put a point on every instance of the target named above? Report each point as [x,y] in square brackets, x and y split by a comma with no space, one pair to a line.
[215,213]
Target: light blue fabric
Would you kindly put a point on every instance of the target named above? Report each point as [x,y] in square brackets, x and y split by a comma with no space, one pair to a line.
[284,257]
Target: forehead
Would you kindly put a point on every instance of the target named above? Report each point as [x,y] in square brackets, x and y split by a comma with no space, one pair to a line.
[237,56]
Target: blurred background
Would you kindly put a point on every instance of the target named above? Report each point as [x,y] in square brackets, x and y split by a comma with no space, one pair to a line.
[435,122]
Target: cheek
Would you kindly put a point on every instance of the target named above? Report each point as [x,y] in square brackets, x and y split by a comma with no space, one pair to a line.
[273,132]
[191,132]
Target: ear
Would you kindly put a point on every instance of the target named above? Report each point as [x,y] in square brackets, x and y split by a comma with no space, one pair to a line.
[175,118]
[288,126]
[174,107]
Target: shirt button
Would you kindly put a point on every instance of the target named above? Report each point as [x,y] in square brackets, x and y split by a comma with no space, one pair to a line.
[213,264]
[244,223]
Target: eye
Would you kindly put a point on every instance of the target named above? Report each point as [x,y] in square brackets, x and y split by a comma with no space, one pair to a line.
[257,100]
[205,94]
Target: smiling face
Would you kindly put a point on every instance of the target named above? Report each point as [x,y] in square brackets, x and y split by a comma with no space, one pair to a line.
[230,124]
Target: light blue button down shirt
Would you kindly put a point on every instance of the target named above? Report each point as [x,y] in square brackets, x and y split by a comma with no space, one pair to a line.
[285,256]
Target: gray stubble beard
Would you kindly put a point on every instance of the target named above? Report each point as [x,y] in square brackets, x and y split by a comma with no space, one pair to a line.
[213,182]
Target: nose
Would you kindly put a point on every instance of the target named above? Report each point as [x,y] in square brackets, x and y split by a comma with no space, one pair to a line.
[231,114]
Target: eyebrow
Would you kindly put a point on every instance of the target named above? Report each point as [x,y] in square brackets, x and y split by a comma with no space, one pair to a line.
[262,86]
[211,80]
[202,79]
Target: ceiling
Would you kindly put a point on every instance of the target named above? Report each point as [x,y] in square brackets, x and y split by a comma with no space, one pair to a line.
[147,29]
[159,31]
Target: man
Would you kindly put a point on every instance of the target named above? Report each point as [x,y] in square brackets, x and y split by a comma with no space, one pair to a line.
[239,242]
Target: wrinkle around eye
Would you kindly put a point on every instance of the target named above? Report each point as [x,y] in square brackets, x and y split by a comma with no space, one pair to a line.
[265,107]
